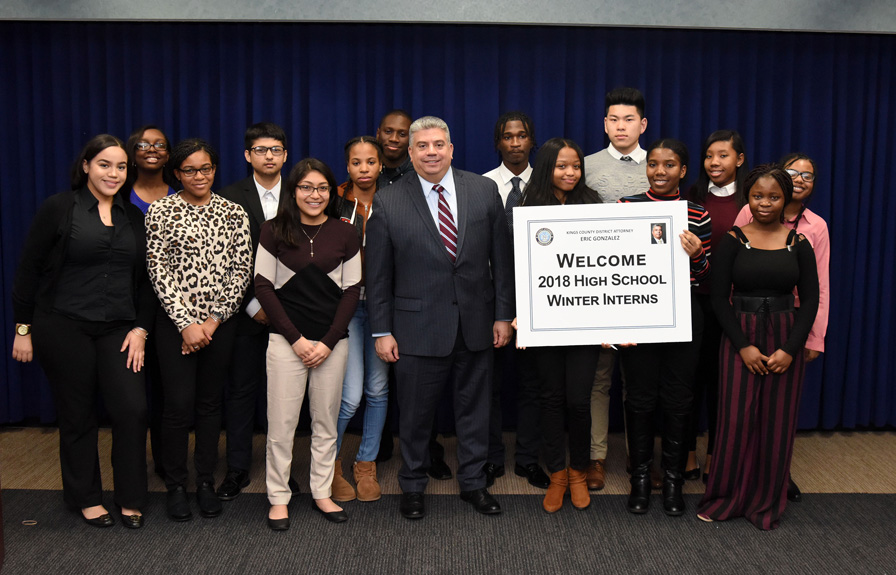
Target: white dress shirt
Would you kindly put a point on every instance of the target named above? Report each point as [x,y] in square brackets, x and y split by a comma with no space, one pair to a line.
[432,196]
[270,199]
[638,155]
[502,176]
[724,191]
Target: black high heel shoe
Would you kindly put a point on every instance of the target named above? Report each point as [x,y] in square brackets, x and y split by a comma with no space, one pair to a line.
[692,473]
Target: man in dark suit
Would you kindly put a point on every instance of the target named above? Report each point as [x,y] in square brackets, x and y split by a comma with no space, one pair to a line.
[259,195]
[440,296]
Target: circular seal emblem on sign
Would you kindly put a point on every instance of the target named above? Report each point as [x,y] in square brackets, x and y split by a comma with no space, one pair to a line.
[544,236]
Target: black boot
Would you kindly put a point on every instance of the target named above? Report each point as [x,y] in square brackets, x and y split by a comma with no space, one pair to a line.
[793,492]
[640,450]
[674,461]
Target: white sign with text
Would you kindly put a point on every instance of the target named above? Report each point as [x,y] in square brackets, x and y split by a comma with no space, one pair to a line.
[601,273]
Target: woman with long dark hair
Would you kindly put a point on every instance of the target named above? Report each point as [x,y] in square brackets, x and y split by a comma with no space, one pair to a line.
[762,355]
[566,373]
[720,181]
[307,279]
[83,307]
[199,257]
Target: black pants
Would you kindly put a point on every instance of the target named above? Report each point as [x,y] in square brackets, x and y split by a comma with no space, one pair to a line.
[82,359]
[248,381]
[193,388]
[706,378]
[516,365]
[155,401]
[566,374]
[662,374]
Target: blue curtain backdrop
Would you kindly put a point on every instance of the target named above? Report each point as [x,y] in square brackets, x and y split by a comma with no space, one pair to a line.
[832,96]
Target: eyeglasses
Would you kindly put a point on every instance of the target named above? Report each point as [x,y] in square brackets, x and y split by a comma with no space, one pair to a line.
[263,150]
[306,190]
[204,170]
[807,176]
[143,146]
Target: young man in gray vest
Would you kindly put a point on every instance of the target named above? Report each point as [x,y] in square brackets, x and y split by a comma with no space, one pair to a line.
[616,171]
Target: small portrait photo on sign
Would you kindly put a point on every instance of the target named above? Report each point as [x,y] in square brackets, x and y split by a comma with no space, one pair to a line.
[658,233]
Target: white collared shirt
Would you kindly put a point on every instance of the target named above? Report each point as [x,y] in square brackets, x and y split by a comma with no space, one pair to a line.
[432,196]
[269,206]
[724,191]
[502,176]
[638,154]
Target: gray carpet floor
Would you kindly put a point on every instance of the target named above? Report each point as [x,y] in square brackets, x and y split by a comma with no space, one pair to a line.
[827,533]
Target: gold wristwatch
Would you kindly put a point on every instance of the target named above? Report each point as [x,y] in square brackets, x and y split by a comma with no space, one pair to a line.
[23,328]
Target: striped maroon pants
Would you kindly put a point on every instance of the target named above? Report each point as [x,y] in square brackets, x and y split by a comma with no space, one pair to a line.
[755,432]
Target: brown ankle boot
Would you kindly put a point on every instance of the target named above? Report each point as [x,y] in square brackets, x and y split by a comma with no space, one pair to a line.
[365,479]
[595,476]
[341,489]
[578,489]
[553,499]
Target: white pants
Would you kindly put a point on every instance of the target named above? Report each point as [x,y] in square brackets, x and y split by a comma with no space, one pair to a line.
[287,378]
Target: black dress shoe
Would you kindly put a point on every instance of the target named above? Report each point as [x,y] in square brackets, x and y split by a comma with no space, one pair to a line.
[104,520]
[294,487]
[233,484]
[533,474]
[491,472]
[411,505]
[278,524]
[177,504]
[692,473]
[209,504]
[438,469]
[481,501]
[793,492]
[332,516]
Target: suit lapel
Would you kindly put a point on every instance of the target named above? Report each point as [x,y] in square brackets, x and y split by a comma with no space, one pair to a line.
[255,209]
[463,209]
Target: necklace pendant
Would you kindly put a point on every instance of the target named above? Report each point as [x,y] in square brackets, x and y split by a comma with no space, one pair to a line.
[312,248]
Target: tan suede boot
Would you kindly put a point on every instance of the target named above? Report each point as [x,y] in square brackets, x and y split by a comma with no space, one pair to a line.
[342,489]
[578,489]
[365,479]
[553,499]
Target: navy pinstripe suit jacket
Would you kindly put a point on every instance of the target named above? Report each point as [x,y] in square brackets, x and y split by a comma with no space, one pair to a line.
[414,290]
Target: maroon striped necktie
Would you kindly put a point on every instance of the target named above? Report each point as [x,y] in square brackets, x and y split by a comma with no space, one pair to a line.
[446,224]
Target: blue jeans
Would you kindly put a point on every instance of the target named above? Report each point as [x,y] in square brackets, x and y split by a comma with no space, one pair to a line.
[367,373]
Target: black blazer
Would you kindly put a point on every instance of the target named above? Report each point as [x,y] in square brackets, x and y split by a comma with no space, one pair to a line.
[245,193]
[415,291]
